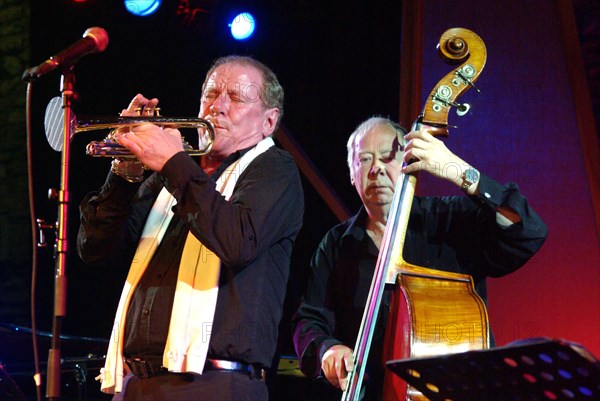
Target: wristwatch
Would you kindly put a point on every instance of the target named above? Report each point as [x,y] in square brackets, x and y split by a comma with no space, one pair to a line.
[469,177]
[129,170]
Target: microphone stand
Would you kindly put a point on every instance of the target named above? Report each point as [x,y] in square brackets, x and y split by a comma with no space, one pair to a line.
[61,246]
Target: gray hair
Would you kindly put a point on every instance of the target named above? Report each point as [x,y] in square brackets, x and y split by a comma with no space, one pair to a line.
[271,94]
[368,126]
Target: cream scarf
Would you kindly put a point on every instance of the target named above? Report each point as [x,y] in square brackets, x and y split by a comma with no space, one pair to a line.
[195,293]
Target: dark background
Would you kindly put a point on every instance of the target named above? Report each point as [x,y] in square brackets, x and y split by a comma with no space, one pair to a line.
[337,61]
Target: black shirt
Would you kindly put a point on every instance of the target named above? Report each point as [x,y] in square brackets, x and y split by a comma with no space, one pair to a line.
[457,234]
[252,234]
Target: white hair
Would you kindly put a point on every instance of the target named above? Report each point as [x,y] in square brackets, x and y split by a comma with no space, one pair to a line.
[368,126]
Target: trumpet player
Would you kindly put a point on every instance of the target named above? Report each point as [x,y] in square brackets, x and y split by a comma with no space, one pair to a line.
[207,245]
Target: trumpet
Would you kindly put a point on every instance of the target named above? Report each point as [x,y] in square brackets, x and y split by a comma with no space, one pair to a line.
[109,147]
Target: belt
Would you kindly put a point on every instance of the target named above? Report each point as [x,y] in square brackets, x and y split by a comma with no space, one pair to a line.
[253,371]
[145,368]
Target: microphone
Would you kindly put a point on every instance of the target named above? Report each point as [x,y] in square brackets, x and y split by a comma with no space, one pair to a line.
[94,40]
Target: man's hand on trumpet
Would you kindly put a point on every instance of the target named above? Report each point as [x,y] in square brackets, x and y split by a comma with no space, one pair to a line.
[140,106]
[152,145]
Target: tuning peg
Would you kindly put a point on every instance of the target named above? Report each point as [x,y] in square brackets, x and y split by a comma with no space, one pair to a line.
[463,109]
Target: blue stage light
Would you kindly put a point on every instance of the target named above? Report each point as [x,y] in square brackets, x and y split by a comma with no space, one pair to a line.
[142,8]
[242,26]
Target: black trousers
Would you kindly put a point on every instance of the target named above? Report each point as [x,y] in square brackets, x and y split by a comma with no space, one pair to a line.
[210,386]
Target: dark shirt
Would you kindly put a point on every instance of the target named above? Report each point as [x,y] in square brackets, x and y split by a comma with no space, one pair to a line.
[252,234]
[457,234]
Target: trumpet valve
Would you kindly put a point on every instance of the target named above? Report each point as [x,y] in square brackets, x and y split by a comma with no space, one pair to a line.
[149,113]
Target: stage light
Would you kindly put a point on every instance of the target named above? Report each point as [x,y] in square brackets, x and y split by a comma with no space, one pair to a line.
[242,26]
[142,8]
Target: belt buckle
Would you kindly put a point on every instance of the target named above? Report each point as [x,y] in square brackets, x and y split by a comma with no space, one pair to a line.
[138,367]
[143,368]
[260,374]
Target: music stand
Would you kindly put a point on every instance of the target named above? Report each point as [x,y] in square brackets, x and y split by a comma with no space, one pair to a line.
[538,369]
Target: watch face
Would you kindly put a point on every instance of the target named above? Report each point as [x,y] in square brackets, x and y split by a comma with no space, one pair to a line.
[471,175]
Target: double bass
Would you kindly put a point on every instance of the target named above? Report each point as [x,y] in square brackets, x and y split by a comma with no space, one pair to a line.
[433,312]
